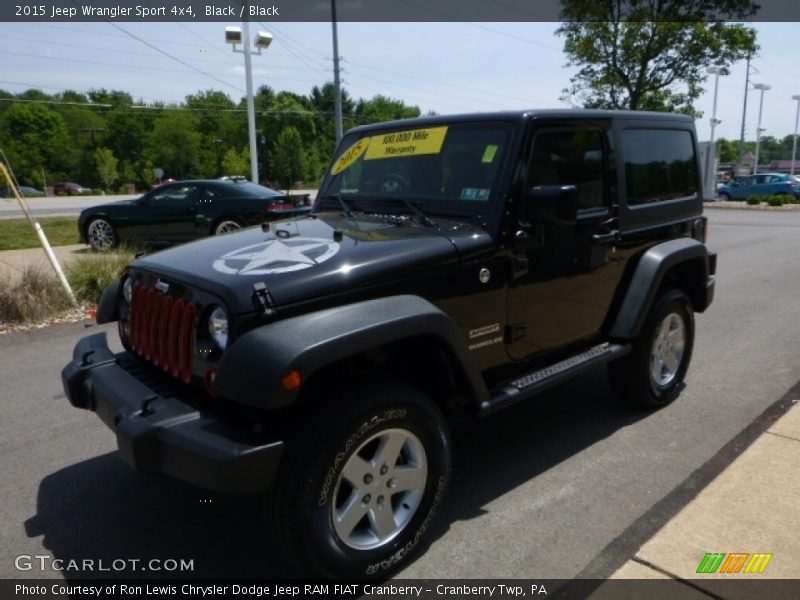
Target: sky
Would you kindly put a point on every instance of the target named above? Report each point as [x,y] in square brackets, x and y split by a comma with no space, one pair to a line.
[442,67]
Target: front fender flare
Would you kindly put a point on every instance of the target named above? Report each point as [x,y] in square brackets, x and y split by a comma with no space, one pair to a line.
[251,370]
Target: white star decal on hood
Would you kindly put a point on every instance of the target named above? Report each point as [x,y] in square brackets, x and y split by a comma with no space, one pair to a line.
[276,256]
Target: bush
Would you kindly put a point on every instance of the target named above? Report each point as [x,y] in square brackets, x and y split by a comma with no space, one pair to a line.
[90,275]
[775,200]
[37,295]
[754,200]
[786,198]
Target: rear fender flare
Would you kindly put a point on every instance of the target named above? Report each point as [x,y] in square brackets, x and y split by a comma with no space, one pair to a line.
[649,275]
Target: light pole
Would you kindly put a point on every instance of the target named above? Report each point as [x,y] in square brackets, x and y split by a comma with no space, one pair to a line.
[763,87]
[744,115]
[337,98]
[711,178]
[794,142]
[241,35]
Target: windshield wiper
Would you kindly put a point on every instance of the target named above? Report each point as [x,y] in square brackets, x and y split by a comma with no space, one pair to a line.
[346,203]
[423,218]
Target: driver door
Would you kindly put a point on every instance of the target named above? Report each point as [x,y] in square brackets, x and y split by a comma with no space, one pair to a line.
[565,265]
[168,213]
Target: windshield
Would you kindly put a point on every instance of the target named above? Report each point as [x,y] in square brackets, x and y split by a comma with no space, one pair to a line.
[454,165]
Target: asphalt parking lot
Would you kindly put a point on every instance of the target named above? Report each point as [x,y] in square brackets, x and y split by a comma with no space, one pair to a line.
[568,485]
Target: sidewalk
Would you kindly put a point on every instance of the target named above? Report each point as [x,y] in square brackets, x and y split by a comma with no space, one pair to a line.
[14,262]
[751,507]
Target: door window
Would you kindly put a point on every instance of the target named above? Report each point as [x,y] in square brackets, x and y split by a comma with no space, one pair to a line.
[569,157]
[174,196]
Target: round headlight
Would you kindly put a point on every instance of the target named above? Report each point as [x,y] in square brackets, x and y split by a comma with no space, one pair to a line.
[127,290]
[218,327]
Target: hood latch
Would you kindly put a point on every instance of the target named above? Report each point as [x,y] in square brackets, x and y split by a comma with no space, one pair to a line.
[263,299]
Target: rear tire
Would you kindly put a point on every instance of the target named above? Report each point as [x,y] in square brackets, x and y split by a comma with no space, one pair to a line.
[724,197]
[359,488]
[101,235]
[652,374]
[226,225]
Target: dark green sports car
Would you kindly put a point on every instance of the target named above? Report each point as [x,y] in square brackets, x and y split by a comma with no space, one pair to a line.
[186,210]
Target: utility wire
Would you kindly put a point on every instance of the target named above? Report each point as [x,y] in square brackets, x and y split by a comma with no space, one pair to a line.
[282,39]
[171,57]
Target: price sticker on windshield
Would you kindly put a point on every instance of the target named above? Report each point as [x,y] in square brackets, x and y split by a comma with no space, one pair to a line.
[349,156]
[406,143]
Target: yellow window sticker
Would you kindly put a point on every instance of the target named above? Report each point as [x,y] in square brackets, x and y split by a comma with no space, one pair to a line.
[349,156]
[406,143]
[488,154]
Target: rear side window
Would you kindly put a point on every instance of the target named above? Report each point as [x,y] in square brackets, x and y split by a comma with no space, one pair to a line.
[660,164]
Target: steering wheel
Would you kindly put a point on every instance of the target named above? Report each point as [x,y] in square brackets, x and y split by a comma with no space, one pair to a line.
[393,183]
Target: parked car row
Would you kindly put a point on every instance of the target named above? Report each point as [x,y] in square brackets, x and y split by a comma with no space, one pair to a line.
[186,210]
[24,190]
[62,188]
[763,184]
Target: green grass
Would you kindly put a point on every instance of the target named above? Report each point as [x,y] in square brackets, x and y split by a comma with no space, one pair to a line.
[90,275]
[16,234]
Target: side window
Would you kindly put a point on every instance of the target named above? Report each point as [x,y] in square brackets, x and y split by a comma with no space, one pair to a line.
[179,195]
[660,164]
[207,194]
[570,157]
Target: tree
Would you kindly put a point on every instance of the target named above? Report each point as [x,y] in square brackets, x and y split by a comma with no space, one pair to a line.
[175,144]
[35,138]
[106,166]
[728,151]
[113,97]
[236,163]
[126,135]
[381,108]
[650,54]
[323,103]
[287,158]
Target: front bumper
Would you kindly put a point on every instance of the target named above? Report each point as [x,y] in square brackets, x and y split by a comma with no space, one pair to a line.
[163,433]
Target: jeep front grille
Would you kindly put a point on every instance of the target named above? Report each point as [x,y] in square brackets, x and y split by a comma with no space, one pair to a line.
[161,331]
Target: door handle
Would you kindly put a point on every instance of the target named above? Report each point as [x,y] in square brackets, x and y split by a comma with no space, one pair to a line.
[605,238]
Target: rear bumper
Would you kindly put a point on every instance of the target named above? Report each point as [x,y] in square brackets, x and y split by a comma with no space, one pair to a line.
[159,433]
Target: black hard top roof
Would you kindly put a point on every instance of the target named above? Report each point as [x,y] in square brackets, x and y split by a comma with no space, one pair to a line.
[520,115]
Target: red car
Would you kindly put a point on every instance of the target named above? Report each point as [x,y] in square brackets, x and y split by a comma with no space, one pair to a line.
[63,188]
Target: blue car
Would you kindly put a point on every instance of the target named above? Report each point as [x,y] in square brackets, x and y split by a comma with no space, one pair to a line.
[763,184]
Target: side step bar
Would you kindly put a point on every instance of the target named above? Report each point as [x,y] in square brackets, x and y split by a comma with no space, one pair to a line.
[538,381]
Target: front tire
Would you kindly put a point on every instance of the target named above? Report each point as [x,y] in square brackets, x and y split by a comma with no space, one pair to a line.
[652,374]
[359,488]
[724,197]
[101,235]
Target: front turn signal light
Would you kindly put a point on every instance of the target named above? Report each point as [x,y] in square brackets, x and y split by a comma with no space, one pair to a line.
[291,381]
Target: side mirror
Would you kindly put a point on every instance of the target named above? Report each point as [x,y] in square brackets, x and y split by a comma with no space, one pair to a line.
[556,204]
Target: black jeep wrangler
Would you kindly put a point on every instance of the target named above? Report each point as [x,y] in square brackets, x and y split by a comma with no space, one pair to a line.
[450,263]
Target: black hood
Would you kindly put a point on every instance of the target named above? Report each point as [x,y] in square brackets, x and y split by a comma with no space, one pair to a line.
[301,259]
